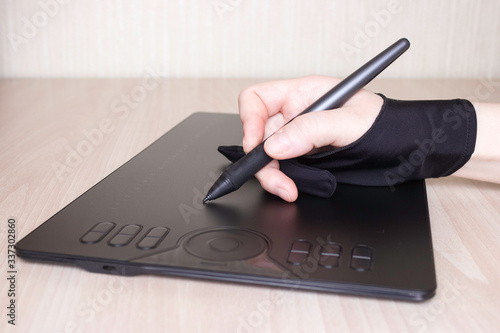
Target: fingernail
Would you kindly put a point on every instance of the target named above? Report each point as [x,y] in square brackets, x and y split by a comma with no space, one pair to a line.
[278,144]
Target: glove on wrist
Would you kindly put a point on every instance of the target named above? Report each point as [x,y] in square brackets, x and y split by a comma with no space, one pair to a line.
[409,140]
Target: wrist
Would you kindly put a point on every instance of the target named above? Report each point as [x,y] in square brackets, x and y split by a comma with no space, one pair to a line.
[485,160]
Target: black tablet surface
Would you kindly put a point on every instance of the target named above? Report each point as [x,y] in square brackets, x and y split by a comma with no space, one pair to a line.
[147,217]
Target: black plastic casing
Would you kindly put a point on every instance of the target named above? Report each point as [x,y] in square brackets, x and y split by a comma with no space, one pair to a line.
[249,236]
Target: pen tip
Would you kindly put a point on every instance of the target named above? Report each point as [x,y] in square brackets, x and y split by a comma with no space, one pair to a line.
[207,199]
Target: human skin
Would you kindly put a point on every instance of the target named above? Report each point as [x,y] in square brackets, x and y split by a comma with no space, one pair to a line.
[264,108]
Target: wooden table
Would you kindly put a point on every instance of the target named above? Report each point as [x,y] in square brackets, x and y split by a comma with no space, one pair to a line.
[41,120]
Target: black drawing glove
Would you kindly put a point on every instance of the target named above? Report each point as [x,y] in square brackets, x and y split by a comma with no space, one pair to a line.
[309,180]
[409,140]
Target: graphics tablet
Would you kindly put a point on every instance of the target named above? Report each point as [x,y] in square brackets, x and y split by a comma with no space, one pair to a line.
[147,217]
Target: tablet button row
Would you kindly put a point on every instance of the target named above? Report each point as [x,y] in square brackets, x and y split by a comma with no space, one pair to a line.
[125,235]
[329,255]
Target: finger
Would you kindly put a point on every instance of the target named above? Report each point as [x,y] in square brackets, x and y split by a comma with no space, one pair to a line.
[315,130]
[274,123]
[276,182]
[253,115]
[259,103]
[256,104]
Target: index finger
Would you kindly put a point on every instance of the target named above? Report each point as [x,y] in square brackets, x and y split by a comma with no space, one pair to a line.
[256,105]
[260,102]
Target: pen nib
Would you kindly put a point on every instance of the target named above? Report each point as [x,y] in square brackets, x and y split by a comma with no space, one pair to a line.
[207,199]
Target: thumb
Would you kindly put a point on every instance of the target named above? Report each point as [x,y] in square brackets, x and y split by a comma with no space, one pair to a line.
[301,135]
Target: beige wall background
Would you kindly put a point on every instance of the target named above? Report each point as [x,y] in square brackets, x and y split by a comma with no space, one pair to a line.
[246,38]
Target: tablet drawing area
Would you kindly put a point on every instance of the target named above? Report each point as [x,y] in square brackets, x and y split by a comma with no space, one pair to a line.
[147,217]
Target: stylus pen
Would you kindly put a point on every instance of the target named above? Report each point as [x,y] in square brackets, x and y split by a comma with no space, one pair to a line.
[242,170]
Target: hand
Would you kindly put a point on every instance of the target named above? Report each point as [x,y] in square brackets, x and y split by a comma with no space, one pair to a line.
[266,107]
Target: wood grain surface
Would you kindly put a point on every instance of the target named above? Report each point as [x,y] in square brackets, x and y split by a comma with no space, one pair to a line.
[42,120]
